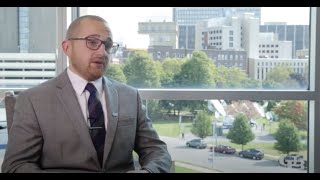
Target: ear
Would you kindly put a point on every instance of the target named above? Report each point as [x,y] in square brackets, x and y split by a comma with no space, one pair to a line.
[66,47]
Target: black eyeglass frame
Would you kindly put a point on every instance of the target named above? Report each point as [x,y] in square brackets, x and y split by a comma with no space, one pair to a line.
[109,49]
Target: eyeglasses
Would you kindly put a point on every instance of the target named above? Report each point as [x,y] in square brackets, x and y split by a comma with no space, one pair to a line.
[95,43]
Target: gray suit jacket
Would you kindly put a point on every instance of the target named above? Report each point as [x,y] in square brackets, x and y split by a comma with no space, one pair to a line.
[49,133]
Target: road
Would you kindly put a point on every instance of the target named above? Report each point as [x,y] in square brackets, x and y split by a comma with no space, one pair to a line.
[223,162]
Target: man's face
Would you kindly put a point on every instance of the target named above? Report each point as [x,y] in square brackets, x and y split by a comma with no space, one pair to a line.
[87,63]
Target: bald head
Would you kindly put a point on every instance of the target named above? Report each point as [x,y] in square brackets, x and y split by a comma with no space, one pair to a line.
[76,24]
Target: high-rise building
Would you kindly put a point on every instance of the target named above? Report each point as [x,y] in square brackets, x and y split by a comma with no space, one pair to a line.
[186,19]
[298,34]
[160,33]
[21,30]
[239,32]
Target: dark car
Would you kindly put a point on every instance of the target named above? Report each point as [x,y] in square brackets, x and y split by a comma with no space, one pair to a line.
[197,143]
[297,160]
[252,153]
[224,149]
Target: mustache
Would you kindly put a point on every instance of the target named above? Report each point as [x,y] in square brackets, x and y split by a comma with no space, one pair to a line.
[100,59]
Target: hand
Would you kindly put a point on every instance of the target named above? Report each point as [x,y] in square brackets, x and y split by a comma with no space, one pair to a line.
[138,171]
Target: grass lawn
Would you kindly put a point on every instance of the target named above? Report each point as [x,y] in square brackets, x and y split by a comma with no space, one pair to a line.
[180,169]
[171,128]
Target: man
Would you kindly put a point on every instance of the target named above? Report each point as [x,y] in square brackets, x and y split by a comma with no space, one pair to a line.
[81,121]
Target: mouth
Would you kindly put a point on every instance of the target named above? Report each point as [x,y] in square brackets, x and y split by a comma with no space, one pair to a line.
[99,61]
[98,64]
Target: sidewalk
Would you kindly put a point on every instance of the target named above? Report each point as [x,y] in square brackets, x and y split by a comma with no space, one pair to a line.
[196,168]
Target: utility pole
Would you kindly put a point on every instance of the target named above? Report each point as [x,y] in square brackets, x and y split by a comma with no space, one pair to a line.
[213,136]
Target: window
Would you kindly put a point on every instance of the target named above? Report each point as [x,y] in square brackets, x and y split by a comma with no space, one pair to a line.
[228,88]
[25,49]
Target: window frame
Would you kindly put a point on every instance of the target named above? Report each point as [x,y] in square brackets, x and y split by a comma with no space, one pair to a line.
[312,95]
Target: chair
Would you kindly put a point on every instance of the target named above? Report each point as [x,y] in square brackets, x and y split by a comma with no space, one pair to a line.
[10,101]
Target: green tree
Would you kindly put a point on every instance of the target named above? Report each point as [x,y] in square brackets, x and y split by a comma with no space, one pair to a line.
[294,111]
[141,71]
[250,83]
[115,72]
[152,110]
[287,137]
[229,77]
[279,78]
[202,125]
[233,77]
[241,132]
[171,67]
[299,78]
[197,72]
[271,104]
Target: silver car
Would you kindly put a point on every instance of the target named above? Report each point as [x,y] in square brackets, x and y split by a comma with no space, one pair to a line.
[197,143]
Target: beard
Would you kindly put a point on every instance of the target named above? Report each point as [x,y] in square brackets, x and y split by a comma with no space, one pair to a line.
[97,67]
[94,69]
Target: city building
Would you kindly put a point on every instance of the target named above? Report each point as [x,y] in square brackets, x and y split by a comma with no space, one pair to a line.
[258,68]
[271,47]
[297,34]
[186,19]
[231,33]
[21,30]
[160,33]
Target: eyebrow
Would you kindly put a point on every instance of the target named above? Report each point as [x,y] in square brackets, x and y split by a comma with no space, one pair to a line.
[98,36]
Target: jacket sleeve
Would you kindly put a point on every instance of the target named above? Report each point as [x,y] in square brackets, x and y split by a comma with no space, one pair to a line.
[153,153]
[25,141]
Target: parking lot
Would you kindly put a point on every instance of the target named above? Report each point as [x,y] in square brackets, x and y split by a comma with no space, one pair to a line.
[228,163]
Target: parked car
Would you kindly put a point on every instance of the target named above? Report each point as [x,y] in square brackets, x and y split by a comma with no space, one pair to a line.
[299,160]
[252,153]
[197,143]
[224,149]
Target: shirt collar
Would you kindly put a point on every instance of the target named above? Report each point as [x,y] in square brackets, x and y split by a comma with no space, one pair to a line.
[79,83]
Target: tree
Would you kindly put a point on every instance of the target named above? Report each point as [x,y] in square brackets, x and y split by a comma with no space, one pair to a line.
[202,126]
[300,78]
[271,104]
[229,77]
[250,83]
[141,71]
[279,77]
[293,111]
[115,72]
[241,132]
[196,72]
[287,137]
[171,67]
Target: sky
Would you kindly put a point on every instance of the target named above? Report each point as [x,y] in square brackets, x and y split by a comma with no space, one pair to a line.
[124,20]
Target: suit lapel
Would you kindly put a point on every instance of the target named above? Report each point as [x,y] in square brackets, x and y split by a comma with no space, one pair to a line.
[112,108]
[68,99]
